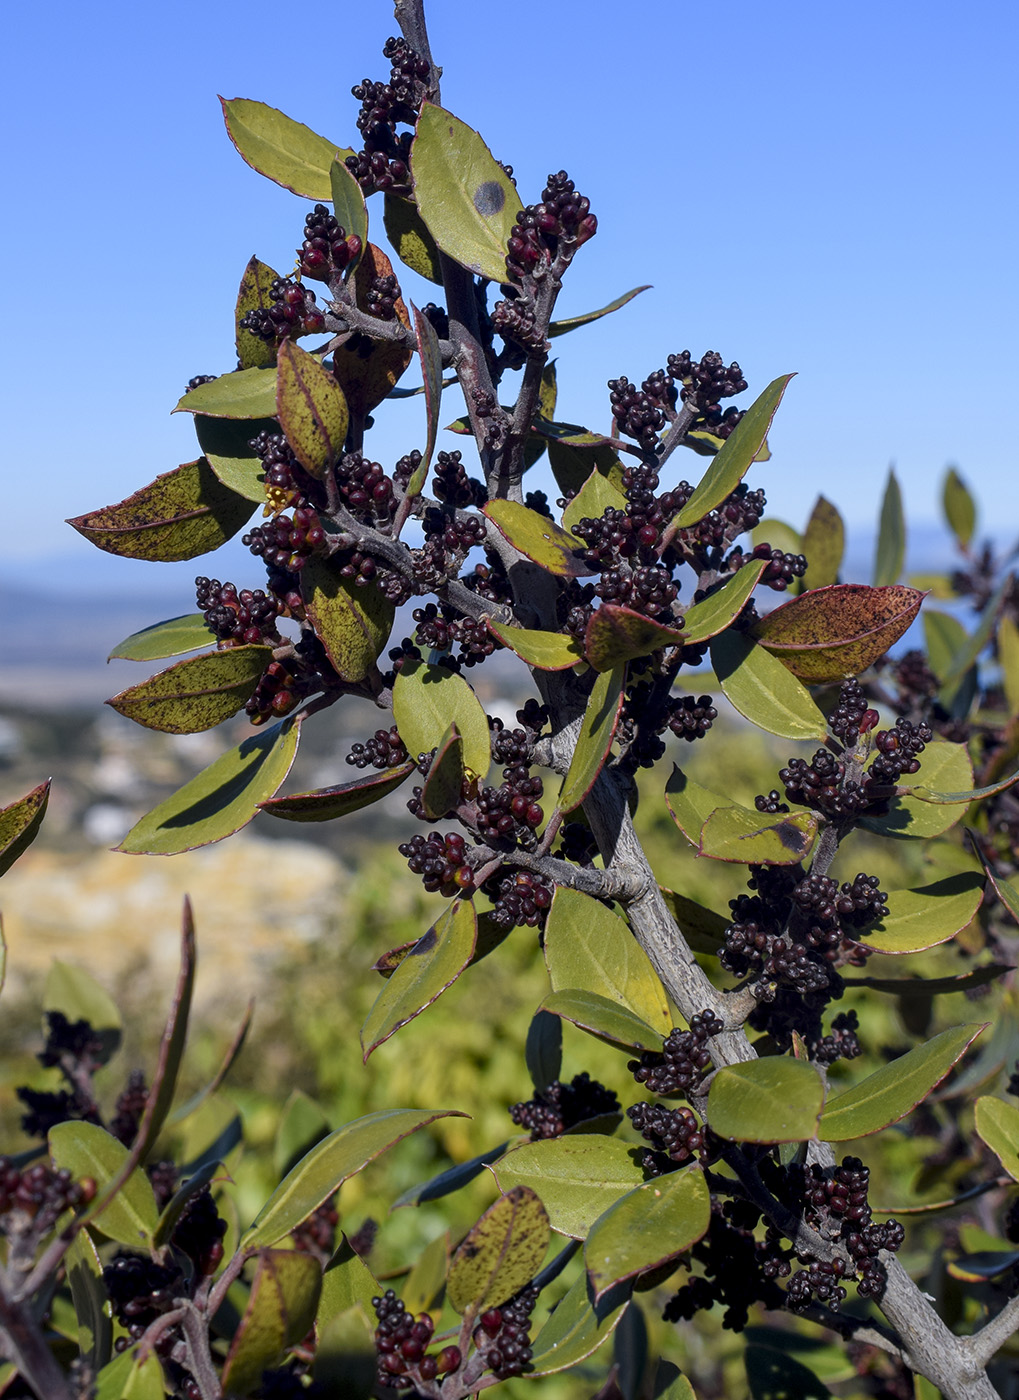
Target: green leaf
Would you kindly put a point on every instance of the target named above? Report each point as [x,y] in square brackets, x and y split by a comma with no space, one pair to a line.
[547,651]
[975,644]
[570,323]
[597,495]
[616,635]
[890,552]
[543,1051]
[763,690]
[603,1017]
[283,150]
[253,295]
[86,1150]
[774,1375]
[443,786]
[964,798]
[221,799]
[539,539]
[302,1125]
[959,507]
[734,458]
[702,928]
[171,1047]
[933,986]
[572,465]
[464,196]
[671,1384]
[127,1377]
[226,443]
[423,1287]
[578,1177]
[328,1165]
[347,1283]
[353,623]
[824,544]
[77,995]
[348,205]
[500,1254]
[171,638]
[426,700]
[325,804]
[894,1090]
[944,637]
[432,965]
[648,1226]
[408,233]
[243,393]
[714,613]
[85,1278]
[180,515]
[771,1100]
[1008,655]
[595,738]
[690,804]
[943,767]
[829,634]
[451,1179]
[431,379]
[997,1125]
[280,1312]
[750,838]
[922,918]
[19,824]
[311,409]
[197,694]
[588,948]
[576,1329]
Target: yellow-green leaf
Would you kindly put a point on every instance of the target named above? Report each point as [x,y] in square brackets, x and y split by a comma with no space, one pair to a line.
[500,1254]
[252,351]
[923,918]
[824,543]
[646,1227]
[763,690]
[426,700]
[352,623]
[408,233]
[997,1124]
[577,1177]
[959,507]
[20,822]
[595,738]
[311,409]
[714,613]
[546,651]
[570,323]
[776,1099]
[890,551]
[226,443]
[243,393]
[280,1312]
[285,151]
[597,495]
[443,785]
[690,804]
[197,694]
[576,1329]
[603,1017]
[738,834]
[539,539]
[86,1150]
[943,767]
[171,638]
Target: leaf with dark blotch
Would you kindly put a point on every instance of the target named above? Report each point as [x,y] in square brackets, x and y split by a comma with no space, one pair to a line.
[219,800]
[369,370]
[577,1177]
[86,1150]
[750,838]
[348,205]
[539,539]
[285,151]
[328,1165]
[594,741]
[451,1179]
[443,786]
[197,694]
[959,507]
[543,1050]
[616,635]
[570,323]
[171,638]
[243,393]
[763,689]
[546,651]
[352,623]
[703,929]
[933,986]
[426,700]
[20,822]
[997,1125]
[433,964]
[408,233]
[690,805]
[577,1328]
[735,457]
[829,634]
[713,614]
[182,514]
[500,1254]
[594,498]
[646,1227]
[895,1090]
[431,378]
[325,804]
[226,443]
[464,196]
[824,543]
[604,1018]
[770,1100]
[311,409]
[890,551]
[280,1312]
[252,351]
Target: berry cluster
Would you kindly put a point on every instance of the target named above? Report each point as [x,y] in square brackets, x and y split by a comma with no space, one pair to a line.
[285,543]
[690,718]
[520,899]
[33,1198]
[453,486]
[683,1059]
[560,1107]
[384,161]
[898,752]
[835,1204]
[739,1269]
[509,815]
[560,223]
[401,1342]
[641,413]
[675,1134]
[281,688]
[246,617]
[503,1334]
[441,861]
[851,717]
[385,749]
[704,544]
[326,250]
[129,1108]
[382,295]
[140,1290]
[704,383]
[365,489]
[293,312]
[199,1233]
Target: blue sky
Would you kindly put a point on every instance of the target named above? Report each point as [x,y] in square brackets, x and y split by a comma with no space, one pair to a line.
[822,188]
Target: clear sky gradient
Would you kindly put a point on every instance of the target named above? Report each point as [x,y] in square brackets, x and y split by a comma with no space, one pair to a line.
[823,188]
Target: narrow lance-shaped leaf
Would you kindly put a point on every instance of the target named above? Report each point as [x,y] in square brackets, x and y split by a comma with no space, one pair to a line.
[763,690]
[733,460]
[19,824]
[348,205]
[594,741]
[500,1254]
[576,1329]
[171,1049]
[285,151]
[197,694]
[243,393]
[975,644]
[464,196]
[829,634]
[770,1100]
[171,638]
[893,1091]
[221,799]
[180,515]
[85,1279]
[570,323]
[311,409]
[890,551]
[325,804]
[824,544]
[959,507]
[431,378]
[646,1227]
[252,351]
